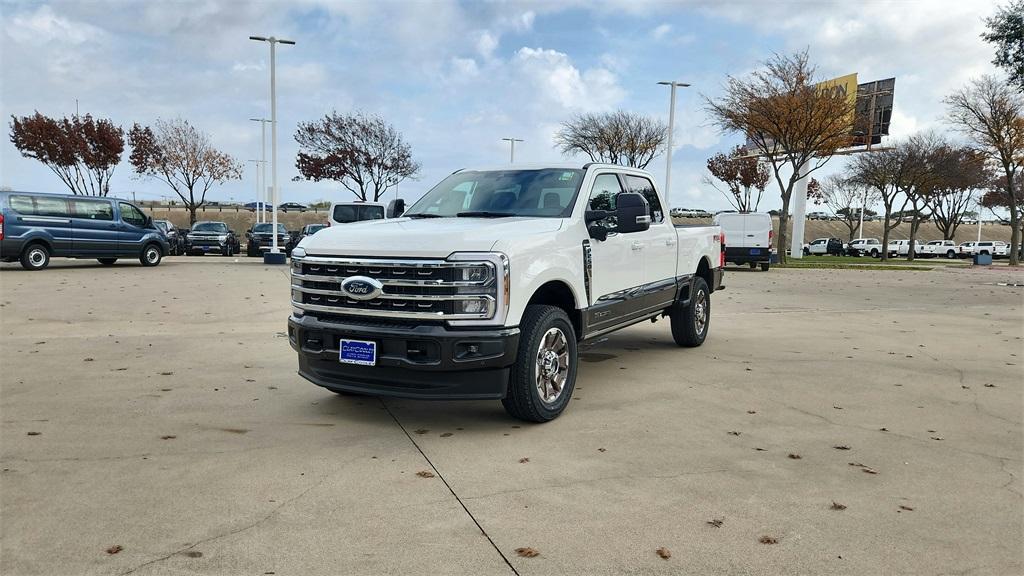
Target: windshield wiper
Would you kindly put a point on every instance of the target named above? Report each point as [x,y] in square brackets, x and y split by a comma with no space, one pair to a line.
[423,216]
[484,214]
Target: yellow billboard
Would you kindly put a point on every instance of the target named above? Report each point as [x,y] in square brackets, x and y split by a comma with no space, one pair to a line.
[845,85]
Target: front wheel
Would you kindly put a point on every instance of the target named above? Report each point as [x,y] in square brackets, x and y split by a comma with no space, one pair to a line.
[544,374]
[874,253]
[690,323]
[753,265]
[151,255]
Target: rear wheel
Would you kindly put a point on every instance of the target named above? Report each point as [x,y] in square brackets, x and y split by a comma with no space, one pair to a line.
[35,257]
[106,261]
[544,374]
[874,253]
[151,255]
[690,323]
[764,266]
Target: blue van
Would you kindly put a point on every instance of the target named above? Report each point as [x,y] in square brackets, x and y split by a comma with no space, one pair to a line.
[35,227]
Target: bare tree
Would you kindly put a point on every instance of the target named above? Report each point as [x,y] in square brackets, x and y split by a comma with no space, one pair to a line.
[183,157]
[363,152]
[742,174]
[790,122]
[846,199]
[960,175]
[619,137]
[82,151]
[991,114]
[884,173]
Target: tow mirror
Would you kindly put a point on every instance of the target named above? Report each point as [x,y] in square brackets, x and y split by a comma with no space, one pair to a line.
[591,216]
[396,208]
[632,212]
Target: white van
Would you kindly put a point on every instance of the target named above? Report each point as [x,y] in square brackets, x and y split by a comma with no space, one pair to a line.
[748,238]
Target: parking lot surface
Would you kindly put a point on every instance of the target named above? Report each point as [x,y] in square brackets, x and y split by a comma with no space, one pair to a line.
[866,422]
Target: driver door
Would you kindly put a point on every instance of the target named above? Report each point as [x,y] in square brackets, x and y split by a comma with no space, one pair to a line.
[617,263]
[133,228]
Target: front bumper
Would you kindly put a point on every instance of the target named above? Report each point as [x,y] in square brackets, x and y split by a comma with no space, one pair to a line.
[424,361]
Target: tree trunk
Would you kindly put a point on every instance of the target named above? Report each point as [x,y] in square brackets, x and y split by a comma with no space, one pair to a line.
[191,215]
[885,236]
[1014,233]
[911,253]
[783,236]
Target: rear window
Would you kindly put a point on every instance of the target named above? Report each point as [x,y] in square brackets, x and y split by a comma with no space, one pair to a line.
[92,209]
[356,213]
[39,205]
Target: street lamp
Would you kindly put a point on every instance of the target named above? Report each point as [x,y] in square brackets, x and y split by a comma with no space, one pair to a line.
[256,176]
[671,128]
[261,188]
[512,150]
[274,256]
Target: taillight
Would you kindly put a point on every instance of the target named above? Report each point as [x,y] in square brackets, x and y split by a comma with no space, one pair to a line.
[1,226]
[721,258]
[771,238]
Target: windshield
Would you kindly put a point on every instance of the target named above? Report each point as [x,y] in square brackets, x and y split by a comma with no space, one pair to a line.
[210,227]
[546,193]
[267,228]
[161,225]
[313,228]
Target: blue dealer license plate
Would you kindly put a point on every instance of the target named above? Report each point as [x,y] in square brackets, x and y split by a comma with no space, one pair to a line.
[360,352]
[755,251]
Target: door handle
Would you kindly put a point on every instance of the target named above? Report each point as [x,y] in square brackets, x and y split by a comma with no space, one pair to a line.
[670,242]
[638,245]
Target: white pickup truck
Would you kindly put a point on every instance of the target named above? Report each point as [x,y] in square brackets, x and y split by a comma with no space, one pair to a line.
[936,248]
[485,287]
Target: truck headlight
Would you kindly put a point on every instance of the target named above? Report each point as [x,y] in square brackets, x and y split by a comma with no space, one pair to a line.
[473,274]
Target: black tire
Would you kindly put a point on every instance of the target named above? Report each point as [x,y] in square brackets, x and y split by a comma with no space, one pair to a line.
[106,261]
[753,265]
[807,252]
[765,266]
[539,338]
[226,251]
[151,254]
[686,330]
[874,253]
[250,251]
[35,256]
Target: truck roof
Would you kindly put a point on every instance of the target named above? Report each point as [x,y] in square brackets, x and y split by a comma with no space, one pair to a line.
[551,166]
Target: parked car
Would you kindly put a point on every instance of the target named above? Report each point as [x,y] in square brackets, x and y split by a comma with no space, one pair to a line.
[308,230]
[175,238]
[748,238]
[966,249]
[209,236]
[260,238]
[35,227]
[293,207]
[996,248]
[254,206]
[936,248]
[817,216]
[487,285]
[865,246]
[823,246]
[902,247]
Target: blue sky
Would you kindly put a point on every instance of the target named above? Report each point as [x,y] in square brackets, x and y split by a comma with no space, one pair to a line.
[456,77]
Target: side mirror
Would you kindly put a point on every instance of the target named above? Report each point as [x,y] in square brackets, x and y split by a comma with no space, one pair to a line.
[149,221]
[632,212]
[232,232]
[591,216]
[396,208]
[597,232]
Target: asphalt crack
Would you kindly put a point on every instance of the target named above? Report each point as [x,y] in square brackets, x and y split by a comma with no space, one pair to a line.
[449,486]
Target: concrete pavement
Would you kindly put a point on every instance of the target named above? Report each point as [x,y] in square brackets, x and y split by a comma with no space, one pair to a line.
[158,410]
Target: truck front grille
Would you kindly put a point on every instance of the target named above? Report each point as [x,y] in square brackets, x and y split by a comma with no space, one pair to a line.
[412,289]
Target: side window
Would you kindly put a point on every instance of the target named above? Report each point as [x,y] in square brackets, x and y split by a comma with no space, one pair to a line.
[46,206]
[371,212]
[643,186]
[132,215]
[22,204]
[92,209]
[602,197]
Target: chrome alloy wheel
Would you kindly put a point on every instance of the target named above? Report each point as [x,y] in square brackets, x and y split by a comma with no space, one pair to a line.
[152,255]
[37,257]
[700,312]
[552,365]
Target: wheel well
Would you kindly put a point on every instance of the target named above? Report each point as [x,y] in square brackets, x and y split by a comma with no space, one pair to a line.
[704,271]
[40,241]
[153,243]
[557,293]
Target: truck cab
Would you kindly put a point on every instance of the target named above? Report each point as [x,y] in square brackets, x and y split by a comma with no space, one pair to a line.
[485,287]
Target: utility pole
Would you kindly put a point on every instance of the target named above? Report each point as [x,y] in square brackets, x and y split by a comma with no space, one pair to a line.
[512,149]
[671,128]
[275,256]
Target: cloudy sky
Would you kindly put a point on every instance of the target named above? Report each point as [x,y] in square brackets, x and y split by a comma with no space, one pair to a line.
[455,77]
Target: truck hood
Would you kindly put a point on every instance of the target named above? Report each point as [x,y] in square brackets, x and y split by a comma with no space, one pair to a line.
[422,237]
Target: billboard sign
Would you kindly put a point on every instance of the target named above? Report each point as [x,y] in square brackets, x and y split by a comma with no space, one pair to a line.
[874,111]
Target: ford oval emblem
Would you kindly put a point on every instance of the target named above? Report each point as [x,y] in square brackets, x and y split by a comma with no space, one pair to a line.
[361,288]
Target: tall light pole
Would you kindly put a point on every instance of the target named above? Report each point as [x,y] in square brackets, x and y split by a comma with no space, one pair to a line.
[274,256]
[671,129]
[256,176]
[512,149]
[262,190]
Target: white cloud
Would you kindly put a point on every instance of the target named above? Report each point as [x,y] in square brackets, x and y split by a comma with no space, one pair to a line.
[552,76]
[486,44]
[464,69]
[44,27]
[661,31]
